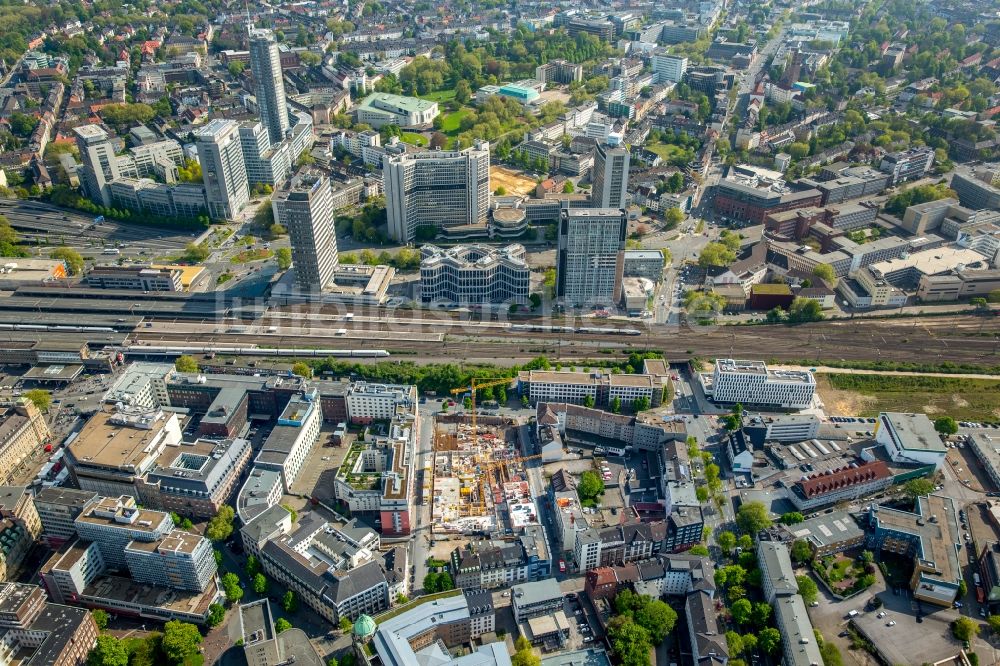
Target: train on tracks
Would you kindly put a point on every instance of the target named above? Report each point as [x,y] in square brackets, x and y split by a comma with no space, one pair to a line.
[586,330]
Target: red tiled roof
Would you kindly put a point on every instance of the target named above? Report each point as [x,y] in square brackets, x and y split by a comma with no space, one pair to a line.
[830,481]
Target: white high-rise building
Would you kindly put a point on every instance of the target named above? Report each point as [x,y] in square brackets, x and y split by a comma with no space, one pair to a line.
[610,177]
[753,383]
[266,163]
[669,68]
[100,166]
[222,168]
[265,63]
[591,257]
[436,188]
[305,207]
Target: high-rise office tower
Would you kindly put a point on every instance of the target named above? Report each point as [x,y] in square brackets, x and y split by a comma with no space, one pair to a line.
[591,257]
[265,63]
[100,166]
[305,207]
[610,177]
[222,168]
[436,188]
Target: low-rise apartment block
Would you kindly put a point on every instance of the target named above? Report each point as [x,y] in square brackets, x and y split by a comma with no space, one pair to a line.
[22,432]
[36,632]
[798,642]
[411,637]
[753,383]
[930,536]
[58,509]
[299,559]
[375,476]
[601,388]
[144,278]
[838,485]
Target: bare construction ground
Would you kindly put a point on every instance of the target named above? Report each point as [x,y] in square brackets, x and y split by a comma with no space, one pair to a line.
[511,181]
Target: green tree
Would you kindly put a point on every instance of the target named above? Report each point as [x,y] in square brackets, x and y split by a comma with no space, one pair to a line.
[915,488]
[825,272]
[69,256]
[735,642]
[752,517]
[216,614]
[761,613]
[791,518]
[231,587]
[108,651]
[741,610]
[769,640]
[259,583]
[345,624]
[749,643]
[945,425]
[190,172]
[41,398]
[674,216]
[591,486]
[281,624]
[100,618]
[994,622]
[630,641]
[290,602]
[726,541]
[716,254]
[801,551]
[302,369]
[804,310]
[807,588]
[701,493]
[180,641]
[195,253]
[657,618]
[568,187]
[186,364]
[284,258]
[588,401]
[616,405]
[236,68]
[221,525]
[965,628]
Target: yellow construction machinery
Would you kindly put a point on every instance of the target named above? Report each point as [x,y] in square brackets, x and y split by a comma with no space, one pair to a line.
[471,389]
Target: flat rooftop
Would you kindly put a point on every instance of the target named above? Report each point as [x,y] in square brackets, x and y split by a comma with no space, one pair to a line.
[915,431]
[935,526]
[106,440]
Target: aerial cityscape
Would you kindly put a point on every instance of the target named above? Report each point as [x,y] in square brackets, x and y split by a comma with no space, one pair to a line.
[530,333]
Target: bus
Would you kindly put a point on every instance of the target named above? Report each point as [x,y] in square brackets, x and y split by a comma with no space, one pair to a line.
[111,250]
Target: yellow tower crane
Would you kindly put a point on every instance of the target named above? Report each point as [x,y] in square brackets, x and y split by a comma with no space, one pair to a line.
[471,389]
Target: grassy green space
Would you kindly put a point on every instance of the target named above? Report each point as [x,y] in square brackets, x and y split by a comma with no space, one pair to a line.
[671,153]
[451,121]
[440,96]
[247,256]
[962,399]
[414,139]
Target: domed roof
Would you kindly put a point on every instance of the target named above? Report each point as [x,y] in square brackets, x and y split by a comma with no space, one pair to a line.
[364,627]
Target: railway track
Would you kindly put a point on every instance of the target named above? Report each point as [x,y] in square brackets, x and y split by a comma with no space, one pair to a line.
[963,340]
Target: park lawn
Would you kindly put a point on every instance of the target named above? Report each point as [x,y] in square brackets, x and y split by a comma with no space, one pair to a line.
[962,399]
[246,256]
[439,96]
[669,152]
[414,139]
[450,121]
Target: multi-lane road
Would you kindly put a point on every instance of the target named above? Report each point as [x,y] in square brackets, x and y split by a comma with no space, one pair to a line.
[38,222]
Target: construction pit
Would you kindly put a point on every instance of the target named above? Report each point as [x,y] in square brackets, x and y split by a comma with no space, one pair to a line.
[479,484]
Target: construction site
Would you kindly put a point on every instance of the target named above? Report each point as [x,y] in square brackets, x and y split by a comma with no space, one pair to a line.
[478,483]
